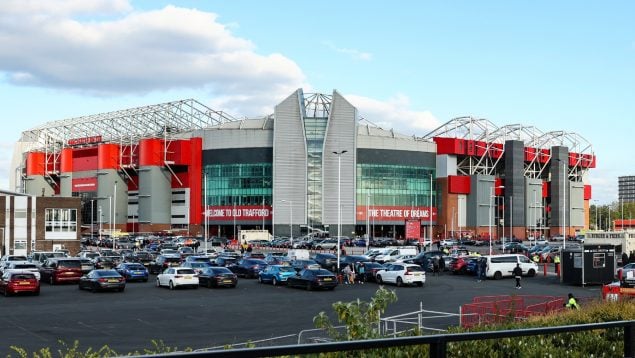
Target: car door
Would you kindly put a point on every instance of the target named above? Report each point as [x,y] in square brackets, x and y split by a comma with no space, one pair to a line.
[392,273]
[164,277]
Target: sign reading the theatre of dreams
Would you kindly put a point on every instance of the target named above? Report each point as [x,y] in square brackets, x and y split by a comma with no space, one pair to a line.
[242,212]
[396,213]
[84,184]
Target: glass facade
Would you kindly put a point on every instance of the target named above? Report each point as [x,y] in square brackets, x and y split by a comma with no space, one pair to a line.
[314,129]
[395,185]
[239,184]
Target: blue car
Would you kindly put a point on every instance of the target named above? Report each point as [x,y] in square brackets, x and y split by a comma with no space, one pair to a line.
[276,274]
[133,271]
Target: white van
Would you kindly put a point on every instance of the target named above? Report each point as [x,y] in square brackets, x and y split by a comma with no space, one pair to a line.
[499,266]
[391,253]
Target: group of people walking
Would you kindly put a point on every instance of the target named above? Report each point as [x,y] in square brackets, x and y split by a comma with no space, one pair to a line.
[352,274]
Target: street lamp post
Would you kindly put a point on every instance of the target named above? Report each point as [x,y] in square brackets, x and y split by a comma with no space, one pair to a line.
[92,221]
[339,205]
[431,212]
[491,209]
[290,220]
[100,220]
[114,216]
[564,206]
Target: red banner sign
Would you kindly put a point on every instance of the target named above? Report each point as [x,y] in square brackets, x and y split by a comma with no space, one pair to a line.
[85,140]
[84,184]
[413,229]
[396,213]
[239,213]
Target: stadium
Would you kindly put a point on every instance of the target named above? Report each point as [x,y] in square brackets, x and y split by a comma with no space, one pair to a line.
[314,165]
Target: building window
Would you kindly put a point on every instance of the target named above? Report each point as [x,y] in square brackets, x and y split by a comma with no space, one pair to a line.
[60,220]
[239,184]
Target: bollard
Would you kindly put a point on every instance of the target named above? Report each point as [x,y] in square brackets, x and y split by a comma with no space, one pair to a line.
[545,268]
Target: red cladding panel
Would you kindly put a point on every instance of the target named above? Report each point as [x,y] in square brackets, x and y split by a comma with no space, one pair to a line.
[481,148]
[546,189]
[133,184]
[496,150]
[500,186]
[184,177]
[108,156]
[545,155]
[587,192]
[573,159]
[126,158]
[85,159]
[458,184]
[195,180]
[530,154]
[588,160]
[150,152]
[66,160]
[470,147]
[35,162]
[449,145]
[179,152]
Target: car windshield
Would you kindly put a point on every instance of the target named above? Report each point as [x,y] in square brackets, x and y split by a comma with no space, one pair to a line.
[70,263]
[136,267]
[25,266]
[185,272]
[286,269]
[198,264]
[322,272]
[107,273]
[220,270]
[414,269]
[17,258]
[23,276]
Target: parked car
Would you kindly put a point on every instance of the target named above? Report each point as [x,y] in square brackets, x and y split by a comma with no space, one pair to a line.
[313,279]
[217,277]
[499,266]
[327,244]
[102,280]
[8,258]
[174,277]
[197,266]
[87,265]
[133,271]
[19,282]
[458,265]
[370,270]
[402,274]
[225,261]
[326,261]
[300,265]
[353,260]
[424,259]
[61,270]
[106,262]
[276,274]
[11,266]
[248,268]
[162,262]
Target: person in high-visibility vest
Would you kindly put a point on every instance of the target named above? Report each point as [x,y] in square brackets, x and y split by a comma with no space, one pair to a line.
[572,303]
[556,261]
[536,258]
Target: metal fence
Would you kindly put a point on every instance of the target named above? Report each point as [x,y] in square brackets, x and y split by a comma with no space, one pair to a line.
[437,343]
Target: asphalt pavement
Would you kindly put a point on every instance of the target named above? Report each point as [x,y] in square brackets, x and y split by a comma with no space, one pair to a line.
[203,318]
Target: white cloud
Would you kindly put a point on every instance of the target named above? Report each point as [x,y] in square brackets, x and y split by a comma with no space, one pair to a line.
[137,52]
[353,53]
[395,113]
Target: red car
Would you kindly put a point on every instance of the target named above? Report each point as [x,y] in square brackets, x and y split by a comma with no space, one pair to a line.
[18,282]
[458,265]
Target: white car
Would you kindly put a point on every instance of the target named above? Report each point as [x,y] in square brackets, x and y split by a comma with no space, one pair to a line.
[402,274]
[402,258]
[174,277]
[20,266]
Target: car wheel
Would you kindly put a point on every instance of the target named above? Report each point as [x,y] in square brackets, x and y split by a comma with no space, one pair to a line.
[158,283]
[498,275]
[274,282]
[145,280]
[531,273]
[6,293]
[171,285]
[420,284]
[379,280]
[399,282]
[93,289]
[209,283]
[308,287]
[51,280]
[121,289]
[36,293]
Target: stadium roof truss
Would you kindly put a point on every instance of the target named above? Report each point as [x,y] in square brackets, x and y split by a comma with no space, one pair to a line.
[484,132]
[159,120]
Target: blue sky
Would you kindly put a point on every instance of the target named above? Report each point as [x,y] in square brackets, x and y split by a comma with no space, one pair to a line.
[409,65]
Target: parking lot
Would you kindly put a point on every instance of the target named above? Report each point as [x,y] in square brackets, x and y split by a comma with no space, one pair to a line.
[202,318]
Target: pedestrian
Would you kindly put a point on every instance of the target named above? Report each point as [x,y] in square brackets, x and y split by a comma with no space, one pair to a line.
[624,258]
[478,271]
[361,273]
[435,265]
[631,258]
[483,265]
[556,262]
[347,274]
[572,302]
[439,245]
[518,273]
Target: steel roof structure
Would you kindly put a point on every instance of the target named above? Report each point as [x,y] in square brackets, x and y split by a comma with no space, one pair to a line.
[165,119]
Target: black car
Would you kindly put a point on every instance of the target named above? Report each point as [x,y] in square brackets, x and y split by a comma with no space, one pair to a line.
[424,259]
[300,265]
[370,269]
[248,268]
[143,257]
[353,259]
[100,280]
[163,262]
[217,277]
[225,261]
[326,261]
[313,279]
